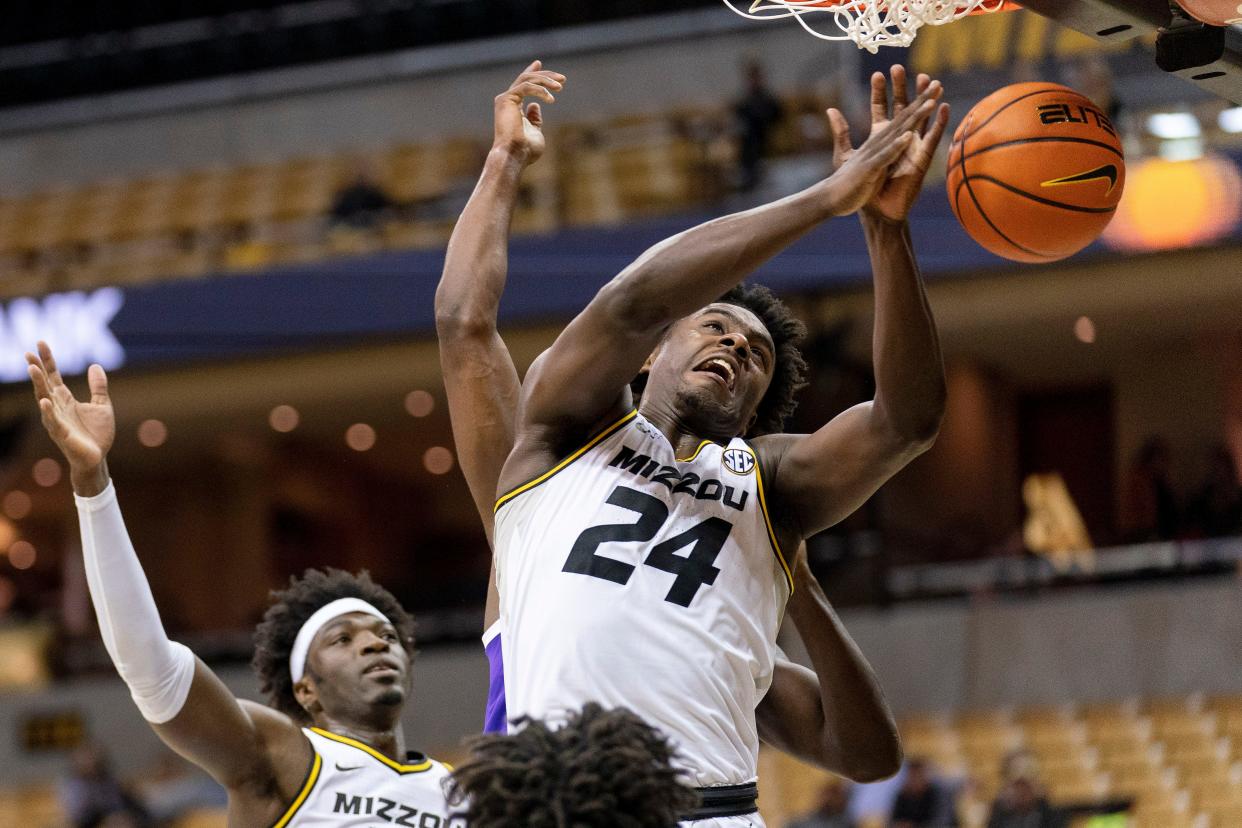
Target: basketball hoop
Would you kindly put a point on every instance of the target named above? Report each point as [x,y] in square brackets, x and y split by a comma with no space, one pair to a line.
[870,23]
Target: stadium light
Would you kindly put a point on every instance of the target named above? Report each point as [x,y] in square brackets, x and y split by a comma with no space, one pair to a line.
[1230,120]
[1173,125]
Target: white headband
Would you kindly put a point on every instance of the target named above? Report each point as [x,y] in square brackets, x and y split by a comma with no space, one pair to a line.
[323,615]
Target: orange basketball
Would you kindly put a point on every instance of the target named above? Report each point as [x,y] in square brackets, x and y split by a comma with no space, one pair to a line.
[1035,172]
[1213,12]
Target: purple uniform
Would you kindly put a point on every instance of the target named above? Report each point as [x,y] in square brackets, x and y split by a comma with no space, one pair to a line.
[495,719]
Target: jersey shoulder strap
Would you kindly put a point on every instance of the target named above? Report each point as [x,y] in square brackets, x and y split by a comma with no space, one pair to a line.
[552,472]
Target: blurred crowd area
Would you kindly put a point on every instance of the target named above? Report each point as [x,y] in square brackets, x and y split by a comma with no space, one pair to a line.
[756,144]
[1167,763]
[190,223]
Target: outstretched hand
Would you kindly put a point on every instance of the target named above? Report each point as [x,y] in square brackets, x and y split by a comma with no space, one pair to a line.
[83,431]
[922,119]
[519,130]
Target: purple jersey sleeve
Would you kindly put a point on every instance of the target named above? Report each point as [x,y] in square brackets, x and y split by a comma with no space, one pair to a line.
[495,719]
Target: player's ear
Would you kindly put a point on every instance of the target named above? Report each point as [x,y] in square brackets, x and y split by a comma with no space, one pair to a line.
[654,355]
[307,694]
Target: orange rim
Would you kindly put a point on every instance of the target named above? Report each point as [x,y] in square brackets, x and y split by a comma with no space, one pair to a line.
[1005,5]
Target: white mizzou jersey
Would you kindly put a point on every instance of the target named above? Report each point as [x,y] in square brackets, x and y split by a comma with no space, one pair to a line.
[352,785]
[632,578]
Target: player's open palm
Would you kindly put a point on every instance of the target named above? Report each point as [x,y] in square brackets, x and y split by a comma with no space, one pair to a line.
[84,431]
[519,129]
[862,174]
[901,188]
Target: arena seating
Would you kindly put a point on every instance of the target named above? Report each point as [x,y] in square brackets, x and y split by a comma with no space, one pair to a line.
[1179,760]
[220,219]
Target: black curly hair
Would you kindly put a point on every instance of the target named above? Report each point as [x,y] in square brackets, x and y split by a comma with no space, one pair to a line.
[789,376]
[602,769]
[274,637]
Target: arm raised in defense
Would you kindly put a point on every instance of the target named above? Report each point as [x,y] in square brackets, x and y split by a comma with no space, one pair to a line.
[480,380]
[479,376]
[257,753]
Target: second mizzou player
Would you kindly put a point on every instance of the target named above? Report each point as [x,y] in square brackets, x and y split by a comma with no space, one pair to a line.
[333,655]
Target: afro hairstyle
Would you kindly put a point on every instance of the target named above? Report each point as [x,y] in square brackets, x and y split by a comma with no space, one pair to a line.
[274,637]
[602,768]
[789,376]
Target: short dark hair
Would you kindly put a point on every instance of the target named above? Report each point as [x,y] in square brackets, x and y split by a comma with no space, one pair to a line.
[274,637]
[603,768]
[789,376]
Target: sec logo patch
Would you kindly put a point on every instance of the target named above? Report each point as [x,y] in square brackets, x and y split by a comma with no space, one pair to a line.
[739,461]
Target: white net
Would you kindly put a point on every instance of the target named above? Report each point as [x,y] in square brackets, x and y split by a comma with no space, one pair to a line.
[869,23]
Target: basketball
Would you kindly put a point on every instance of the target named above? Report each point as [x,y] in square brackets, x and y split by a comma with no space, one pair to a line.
[1035,172]
[1213,12]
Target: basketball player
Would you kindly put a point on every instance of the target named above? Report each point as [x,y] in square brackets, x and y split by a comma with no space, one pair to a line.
[332,654]
[602,768]
[843,723]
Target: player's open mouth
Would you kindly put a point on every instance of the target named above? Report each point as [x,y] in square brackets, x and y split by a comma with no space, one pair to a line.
[382,668]
[720,368]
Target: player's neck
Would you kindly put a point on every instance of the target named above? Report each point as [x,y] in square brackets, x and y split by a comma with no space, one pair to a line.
[387,738]
[681,435]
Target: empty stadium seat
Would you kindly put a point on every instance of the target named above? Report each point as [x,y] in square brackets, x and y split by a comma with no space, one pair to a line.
[1220,784]
[1223,816]
[1165,818]
[147,208]
[1130,781]
[1067,739]
[643,164]
[789,788]
[204,819]
[1078,790]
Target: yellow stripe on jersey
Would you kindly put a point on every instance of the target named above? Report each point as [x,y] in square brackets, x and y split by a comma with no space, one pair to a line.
[692,457]
[374,754]
[592,443]
[767,522]
[300,799]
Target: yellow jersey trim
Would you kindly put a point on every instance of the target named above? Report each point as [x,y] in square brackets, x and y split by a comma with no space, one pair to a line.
[311,778]
[767,522]
[692,457]
[373,753]
[592,443]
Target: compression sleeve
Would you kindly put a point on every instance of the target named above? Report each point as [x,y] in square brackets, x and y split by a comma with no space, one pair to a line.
[158,671]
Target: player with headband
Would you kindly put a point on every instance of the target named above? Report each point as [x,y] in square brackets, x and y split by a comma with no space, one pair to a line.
[333,656]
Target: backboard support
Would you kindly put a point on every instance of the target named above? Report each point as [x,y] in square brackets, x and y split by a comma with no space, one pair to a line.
[1207,56]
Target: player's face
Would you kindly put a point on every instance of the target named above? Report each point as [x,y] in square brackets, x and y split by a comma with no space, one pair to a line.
[713,369]
[361,670]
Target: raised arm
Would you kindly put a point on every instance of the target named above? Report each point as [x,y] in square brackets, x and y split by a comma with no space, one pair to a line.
[479,377]
[835,715]
[186,704]
[820,478]
[582,379]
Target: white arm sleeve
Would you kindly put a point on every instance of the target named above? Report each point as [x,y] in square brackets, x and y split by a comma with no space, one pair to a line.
[158,671]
